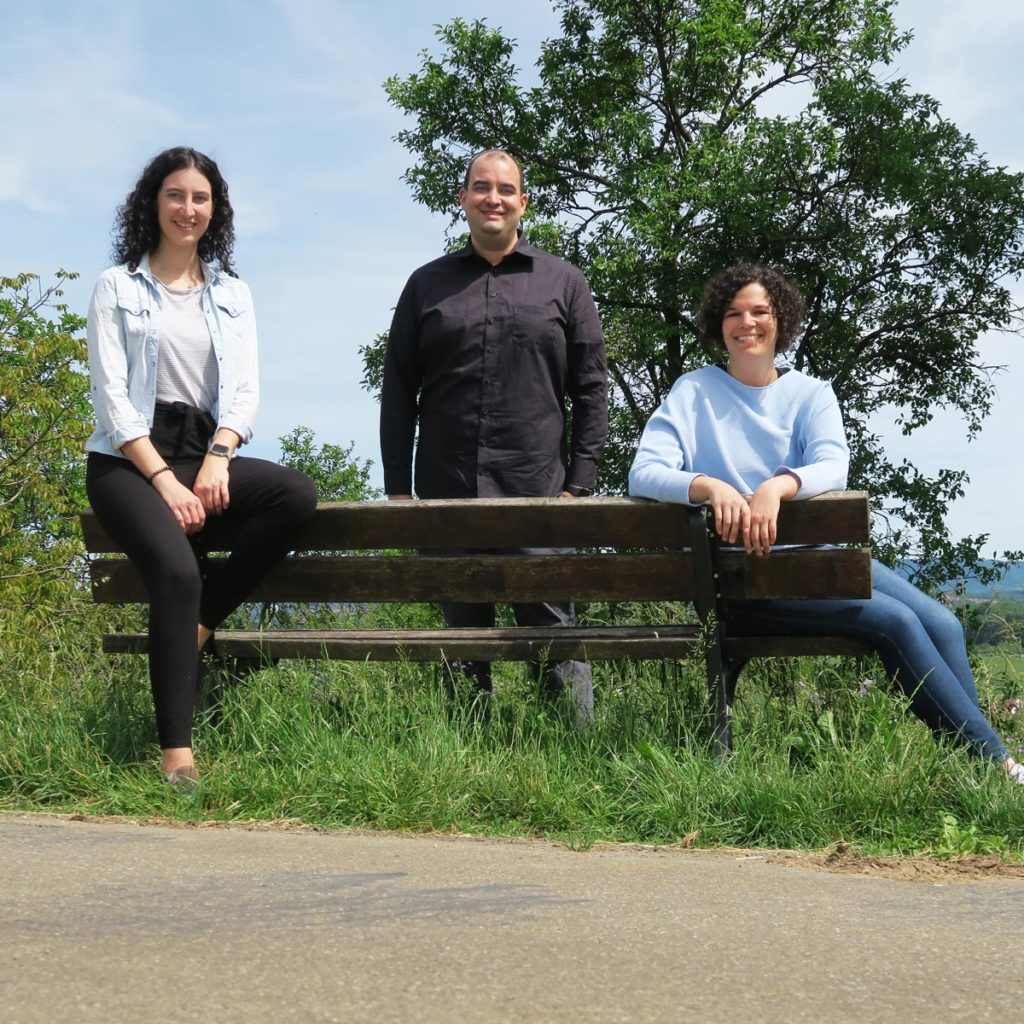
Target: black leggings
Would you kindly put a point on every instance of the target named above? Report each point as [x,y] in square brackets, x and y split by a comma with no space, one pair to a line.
[269,505]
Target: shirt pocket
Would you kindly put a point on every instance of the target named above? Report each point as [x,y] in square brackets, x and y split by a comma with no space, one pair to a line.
[537,351]
[539,328]
[135,319]
[231,317]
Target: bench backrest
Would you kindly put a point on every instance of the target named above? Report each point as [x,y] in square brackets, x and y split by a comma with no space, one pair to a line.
[629,549]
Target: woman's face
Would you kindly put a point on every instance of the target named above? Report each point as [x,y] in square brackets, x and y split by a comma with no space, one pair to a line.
[184,207]
[748,325]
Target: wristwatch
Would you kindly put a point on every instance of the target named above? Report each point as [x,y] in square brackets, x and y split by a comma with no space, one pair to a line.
[220,450]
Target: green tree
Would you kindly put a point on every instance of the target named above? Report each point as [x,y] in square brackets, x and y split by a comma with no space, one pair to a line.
[45,418]
[338,477]
[665,139]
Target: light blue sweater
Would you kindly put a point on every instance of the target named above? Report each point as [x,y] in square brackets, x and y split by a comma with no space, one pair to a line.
[712,425]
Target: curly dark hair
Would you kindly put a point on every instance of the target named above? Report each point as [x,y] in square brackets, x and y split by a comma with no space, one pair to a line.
[137,230]
[785,298]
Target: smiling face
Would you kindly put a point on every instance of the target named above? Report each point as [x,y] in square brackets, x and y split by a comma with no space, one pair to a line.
[184,207]
[748,325]
[493,202]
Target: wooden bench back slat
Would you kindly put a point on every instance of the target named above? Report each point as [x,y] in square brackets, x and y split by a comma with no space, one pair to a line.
[836,518]
[838,572]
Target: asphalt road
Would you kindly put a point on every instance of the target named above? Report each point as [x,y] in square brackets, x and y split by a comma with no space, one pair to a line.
[115,921]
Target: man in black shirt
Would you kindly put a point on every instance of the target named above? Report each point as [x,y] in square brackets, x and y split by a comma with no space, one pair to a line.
[487,348]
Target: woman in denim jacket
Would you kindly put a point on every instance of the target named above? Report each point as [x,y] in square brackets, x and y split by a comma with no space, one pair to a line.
[172,361]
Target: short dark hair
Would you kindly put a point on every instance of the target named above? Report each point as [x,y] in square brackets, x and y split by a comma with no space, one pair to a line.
[493,152]
[786,301]
[137,228]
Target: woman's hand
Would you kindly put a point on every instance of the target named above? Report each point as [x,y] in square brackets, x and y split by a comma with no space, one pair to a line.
[732,511]
[187,508]
[764,512]
[749,521]
[211,485]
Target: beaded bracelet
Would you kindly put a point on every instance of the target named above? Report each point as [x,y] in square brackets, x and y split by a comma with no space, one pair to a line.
[157,472]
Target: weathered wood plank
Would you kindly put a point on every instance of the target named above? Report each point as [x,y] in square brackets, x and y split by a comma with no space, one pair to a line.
[592,643]
[835,518]
[829,572]
[497,644]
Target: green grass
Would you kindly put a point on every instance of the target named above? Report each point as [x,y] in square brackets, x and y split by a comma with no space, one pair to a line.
[819,757]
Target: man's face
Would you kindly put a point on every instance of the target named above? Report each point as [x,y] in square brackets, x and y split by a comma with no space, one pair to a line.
[493,203]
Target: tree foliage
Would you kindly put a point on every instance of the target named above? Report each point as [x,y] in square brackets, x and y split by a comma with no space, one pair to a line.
[665,139]
[337,475]
[44,422]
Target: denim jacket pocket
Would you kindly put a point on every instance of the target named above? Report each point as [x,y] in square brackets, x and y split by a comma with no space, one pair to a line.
[232,308]
[135,320]
[133,303]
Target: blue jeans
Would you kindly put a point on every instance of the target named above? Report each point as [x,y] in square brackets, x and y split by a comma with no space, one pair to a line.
[920,642]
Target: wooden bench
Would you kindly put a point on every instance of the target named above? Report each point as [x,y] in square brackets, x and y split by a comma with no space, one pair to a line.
[629,550]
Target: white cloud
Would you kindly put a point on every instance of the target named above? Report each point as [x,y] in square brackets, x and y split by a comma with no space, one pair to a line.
[967,55]
[76,116]
[16,185]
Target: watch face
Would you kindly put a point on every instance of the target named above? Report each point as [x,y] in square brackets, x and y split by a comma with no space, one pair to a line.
[220,449]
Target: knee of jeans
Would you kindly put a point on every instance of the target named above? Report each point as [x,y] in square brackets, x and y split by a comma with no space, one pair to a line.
[902,626]
[946,621]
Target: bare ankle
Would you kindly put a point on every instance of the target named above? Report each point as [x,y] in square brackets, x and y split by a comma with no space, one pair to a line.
[176,757]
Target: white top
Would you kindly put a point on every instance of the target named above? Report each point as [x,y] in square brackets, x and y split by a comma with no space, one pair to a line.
[186,368]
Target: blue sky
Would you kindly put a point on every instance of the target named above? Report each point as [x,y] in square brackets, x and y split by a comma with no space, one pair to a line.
[287,97]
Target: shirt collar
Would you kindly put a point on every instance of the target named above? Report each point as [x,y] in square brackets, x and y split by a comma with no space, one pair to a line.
[210,274]
[523,248]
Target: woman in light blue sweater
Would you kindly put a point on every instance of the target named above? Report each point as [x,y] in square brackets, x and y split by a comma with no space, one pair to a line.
[742,436]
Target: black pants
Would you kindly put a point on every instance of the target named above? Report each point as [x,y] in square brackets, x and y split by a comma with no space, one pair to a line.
[269,506]
[555,679]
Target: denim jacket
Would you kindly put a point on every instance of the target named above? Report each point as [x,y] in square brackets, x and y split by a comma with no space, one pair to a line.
[123,327]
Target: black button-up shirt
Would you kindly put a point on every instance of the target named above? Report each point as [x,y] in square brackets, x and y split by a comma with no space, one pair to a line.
[484,360]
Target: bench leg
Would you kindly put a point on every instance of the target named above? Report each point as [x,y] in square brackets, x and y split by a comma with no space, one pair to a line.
[722,677]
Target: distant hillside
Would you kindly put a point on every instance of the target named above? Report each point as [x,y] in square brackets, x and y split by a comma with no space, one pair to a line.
[1009,588]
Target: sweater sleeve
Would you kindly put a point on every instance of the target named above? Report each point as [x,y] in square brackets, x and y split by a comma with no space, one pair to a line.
[659,470]
[826,455]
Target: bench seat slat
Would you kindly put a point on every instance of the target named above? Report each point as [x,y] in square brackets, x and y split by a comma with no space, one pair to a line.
[593,643]
[495,644]
[831,572]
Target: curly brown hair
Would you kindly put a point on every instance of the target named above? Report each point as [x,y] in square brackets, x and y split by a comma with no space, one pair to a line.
[137,230]
[786,301]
